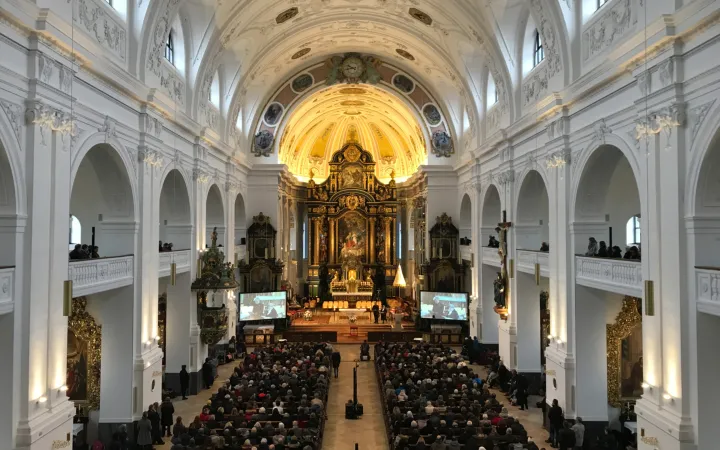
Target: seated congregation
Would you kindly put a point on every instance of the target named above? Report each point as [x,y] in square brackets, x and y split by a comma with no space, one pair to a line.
[434,400]
[275,399]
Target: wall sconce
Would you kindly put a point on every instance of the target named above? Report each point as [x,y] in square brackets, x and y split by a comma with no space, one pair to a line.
[550,337]
[67,297]
[559,341]
[645,386]
[156,338]
[148,343]
[42,399]
[668,397]
[537,274]
[62,388]
[173,273]
[512,268]
[649,298]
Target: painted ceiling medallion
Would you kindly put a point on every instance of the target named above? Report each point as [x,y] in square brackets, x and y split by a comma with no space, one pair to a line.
[286,15]
[442,144]
[421,16]
[405,54]
[353,68]
[301,53]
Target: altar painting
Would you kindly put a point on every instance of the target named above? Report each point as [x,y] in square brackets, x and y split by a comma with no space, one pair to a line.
[351,231]
[77,368]
[352,177]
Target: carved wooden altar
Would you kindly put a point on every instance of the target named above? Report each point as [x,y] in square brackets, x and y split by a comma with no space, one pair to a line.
[352,216]
[443,272]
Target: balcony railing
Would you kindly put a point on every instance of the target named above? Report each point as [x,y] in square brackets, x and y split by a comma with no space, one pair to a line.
[180,257]
[7,289]
[528,258]
[621,276]
[91,276]
[708,289]
[490,256]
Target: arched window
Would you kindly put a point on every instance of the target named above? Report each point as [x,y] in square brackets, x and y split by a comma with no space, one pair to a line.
[170,48]
[600,3]
[632,232]
[109,2]
[492,92]
[538,51]
[75,232]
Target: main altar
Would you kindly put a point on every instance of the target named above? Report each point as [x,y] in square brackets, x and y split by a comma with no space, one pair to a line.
[353,230]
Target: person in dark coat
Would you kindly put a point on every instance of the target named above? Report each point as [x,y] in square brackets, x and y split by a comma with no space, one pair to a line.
[184,382]
[144,436]
[154,417]
[166,415]
[567,438]
[207,371]
[555,415]
[376,312]
[336,362]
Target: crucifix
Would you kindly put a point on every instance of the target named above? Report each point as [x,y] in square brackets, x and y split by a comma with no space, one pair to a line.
[502,230]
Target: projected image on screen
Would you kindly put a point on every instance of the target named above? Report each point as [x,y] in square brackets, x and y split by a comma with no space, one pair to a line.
[443,305]
[262,306]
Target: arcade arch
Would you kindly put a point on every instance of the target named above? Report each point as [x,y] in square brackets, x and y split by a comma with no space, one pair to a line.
[607,196]
[102,200]
[240,220]
[533,212]
[491,216]
[215,216]
[703,251]
[466,218]
[175,214]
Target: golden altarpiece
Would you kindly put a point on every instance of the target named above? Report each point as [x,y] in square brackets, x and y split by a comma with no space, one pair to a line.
[352,217]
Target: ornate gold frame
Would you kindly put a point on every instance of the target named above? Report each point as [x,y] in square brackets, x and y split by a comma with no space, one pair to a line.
[627,319]
[83,325]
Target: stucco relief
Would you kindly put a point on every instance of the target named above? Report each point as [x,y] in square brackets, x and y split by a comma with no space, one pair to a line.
[106,30]
[536,85]
[550,40]
[159,35]
[172,85]
[46,67]
[696,116]
[14,114]
[608,29]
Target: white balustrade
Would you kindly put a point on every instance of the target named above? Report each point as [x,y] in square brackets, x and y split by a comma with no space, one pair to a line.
[91,276]
[620,276]
[526,260]
[7,289]
[490,256]
[180,257]
[708,289]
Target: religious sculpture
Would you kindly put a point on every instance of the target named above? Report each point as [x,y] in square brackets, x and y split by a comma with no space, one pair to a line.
[544,247]
[493,243]
[592,247]
[499,289]
[213,237]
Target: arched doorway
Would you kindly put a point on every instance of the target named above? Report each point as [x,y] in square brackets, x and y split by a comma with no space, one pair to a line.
[102,200]
[491,216]
[704,248]
[531,231]
[607,195]
[215,216]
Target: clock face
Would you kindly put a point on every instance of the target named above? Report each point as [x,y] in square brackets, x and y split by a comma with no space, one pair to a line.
[353,67]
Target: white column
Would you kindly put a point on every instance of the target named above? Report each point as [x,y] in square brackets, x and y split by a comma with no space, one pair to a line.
[229,224]
[560,362]
[181,304]
[148,355]
[477,311]
[41,329]
[198,350]
[507,333]
[665,409]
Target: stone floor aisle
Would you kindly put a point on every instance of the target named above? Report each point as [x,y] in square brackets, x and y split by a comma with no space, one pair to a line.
[369,430]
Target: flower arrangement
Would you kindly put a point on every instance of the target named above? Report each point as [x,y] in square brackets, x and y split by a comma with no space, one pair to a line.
[308,315]
[352,318]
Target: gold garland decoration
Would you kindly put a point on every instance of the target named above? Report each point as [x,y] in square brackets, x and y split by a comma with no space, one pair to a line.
[625,322]
[83,325]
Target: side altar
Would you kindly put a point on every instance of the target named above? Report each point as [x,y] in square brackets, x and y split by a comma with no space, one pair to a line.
[353,230]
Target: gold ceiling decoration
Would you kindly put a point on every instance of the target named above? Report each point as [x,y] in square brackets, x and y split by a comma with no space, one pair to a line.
[369,116]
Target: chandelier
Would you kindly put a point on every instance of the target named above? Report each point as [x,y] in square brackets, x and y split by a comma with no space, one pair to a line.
[153,159]
[655,124]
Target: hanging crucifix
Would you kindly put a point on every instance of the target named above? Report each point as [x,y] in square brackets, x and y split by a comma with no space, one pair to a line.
[502,230]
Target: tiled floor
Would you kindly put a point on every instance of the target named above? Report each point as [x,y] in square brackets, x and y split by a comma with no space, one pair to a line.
[368,431]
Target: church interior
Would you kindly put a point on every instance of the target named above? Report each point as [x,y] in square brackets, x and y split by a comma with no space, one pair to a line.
[359,224]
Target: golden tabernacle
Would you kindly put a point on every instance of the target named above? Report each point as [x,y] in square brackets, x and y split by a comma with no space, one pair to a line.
[353,231]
